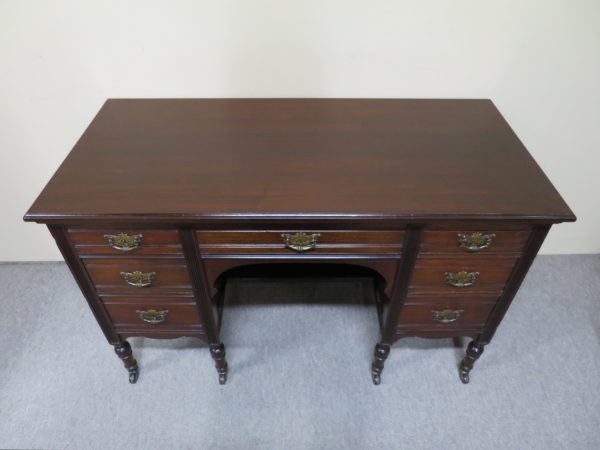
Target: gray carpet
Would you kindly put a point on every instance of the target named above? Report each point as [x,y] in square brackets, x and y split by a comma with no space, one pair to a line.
[299,374]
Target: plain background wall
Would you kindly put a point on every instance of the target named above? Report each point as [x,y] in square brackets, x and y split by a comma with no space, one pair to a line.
[539,61]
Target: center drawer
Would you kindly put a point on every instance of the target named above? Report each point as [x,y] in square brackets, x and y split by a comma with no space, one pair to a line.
[300,241]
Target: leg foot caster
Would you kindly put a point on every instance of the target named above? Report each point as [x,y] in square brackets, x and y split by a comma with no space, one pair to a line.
[134,373]
[376,378]
[218,353]
[124,353]
[464,375]
[474,351]
[381,353]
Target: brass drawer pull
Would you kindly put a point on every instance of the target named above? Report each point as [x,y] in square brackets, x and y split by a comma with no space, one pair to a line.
[446,315]
[139,279]
[461,279]
[475,242]
[300,242]
[124,242]
[153,316]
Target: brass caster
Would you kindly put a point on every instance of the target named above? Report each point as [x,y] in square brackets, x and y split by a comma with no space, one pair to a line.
[222,378]
[134,373]
[464,376]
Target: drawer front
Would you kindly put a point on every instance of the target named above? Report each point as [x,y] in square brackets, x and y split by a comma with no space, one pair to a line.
[119,275]
[445,314]
[153,316]
[125,242]
[449,275]
[473,241]
[299,242]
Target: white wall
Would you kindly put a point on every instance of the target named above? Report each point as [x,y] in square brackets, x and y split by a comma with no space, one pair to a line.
[539,61]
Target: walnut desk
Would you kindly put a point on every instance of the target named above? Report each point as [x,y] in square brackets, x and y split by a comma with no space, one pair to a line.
[437,199]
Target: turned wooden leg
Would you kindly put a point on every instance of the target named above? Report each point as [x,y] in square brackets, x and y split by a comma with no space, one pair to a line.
[219,302]
[474,351]
[218,353]
[124,353]
[381,353]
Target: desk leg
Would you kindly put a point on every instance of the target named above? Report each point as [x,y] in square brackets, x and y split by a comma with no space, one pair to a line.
[474,351]
[204,302]
[381,353]
[217,350]
[123,351]
[389,328]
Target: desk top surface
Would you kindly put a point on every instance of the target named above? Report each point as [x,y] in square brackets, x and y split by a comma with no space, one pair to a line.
[299,158]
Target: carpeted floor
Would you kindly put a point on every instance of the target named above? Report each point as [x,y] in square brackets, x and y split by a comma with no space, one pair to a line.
[299,374]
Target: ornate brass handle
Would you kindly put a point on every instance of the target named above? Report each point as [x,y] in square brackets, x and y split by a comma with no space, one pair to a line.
[300,242]
[462,278]
[446,315]
[139,279]
[123,241]
[475,242]
[153,316]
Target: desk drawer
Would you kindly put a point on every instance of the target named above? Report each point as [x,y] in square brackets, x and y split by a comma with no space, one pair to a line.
[147,276]
[153,316]
[445,314]
[125,242]
[473,241]
[298,242]
[450,275]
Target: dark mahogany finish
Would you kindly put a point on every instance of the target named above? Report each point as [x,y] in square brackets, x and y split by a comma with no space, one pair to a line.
[211,185]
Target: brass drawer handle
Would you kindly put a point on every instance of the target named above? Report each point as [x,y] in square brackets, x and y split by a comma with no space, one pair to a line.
[300,242]
[124,242]
[446,315]
[461,279]
[475,242]
[139,279]
[153,316]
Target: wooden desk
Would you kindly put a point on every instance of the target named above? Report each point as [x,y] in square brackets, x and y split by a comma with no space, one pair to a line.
[160,199]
